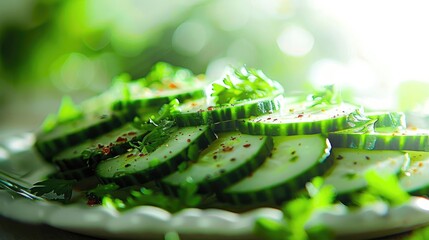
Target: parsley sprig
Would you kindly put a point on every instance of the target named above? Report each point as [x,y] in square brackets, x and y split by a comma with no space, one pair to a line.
[187,197]
[328,95]
[297,212]
[382,187]
[163,74]
[54,189]
[244,84]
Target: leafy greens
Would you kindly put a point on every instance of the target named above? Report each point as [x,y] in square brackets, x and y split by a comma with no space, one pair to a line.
[244,84]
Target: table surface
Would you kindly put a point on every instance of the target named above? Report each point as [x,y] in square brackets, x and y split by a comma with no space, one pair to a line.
[13,230]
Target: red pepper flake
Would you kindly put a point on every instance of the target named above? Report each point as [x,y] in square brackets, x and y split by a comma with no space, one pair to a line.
[210,108]
[132,133]
[106,150]
[300,115]
[269,118]
[121,139]
[172,85]
[93,201]
[246,145]
[227,148]
[130,155]
[188,140]
[142,155]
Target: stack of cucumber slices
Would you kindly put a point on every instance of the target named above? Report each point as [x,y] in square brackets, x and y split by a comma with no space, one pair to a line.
[239,139]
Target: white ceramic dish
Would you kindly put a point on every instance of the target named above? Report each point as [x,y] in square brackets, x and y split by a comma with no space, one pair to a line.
[146,221]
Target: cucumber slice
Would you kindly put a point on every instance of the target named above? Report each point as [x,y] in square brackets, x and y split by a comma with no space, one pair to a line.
[388,119]
[350,166]
[382,139]
[76,131]
[77,174]
[135,168]
[230,158]
[89,153]
[162,84]
[415,179]
[227,126]
[154,99]
[297,120]
[294,161]
[199,113]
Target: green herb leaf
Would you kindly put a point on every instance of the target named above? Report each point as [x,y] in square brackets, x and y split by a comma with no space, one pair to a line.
[159,133]
[297,212]
[359,122]
[382,188]
[49,123]
[329,95]
[168,109]
[271,229]
[146,196]
[103,190]
[244,84]
[66,112]
[419,234]
[163,74]
[54,189]
[188,193]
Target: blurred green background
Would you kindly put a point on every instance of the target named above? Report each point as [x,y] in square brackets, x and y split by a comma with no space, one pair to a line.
[49,48]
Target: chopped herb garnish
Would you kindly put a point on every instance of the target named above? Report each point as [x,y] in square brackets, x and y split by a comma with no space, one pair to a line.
[54,189]
[244,84]
[68,111]
[187,193]
[360,122]
[384,188]
[156,137]
[329,95]
[164,74]
[297,212]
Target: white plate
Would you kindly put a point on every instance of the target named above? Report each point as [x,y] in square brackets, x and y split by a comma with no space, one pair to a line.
[146,221]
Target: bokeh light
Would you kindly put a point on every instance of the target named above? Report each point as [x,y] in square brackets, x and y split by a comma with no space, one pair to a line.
[377,51]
